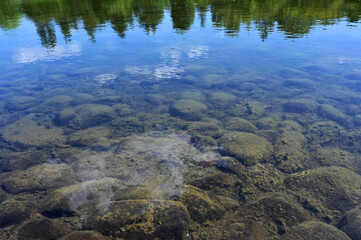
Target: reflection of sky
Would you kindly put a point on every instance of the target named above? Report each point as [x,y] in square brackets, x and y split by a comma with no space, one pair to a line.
[33,54]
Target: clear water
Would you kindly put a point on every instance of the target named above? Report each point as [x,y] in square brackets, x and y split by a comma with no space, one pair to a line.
[179,119]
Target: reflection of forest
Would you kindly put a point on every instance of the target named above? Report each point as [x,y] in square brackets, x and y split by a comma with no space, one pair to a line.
[293,17]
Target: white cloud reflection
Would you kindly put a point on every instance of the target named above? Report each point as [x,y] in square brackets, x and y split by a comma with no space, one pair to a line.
[33,54]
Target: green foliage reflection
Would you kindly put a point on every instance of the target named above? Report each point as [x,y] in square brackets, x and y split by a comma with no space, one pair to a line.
[294,18]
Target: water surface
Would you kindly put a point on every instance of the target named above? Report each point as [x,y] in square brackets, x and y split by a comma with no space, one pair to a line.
[180,119]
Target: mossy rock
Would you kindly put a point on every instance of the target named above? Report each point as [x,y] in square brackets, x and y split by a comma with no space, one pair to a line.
[258,180]
[84,235]
[23,160]
[40,177]
[314,230]
[65,116]
[199,204]
[336,115]
[277,212]
[221,99]
[333,156]
[27,131]
[291,153]
[89,115]
[81,198]
[249,148]
[193,94]
[351,223]
[22,103]
[299,83]
[328,133]
[188,109]
[301,106]
[91,137]
[59,100]
[248,110]
[90,167]
[268,123]
[231,228]
[42,229]
[15,212]
[327,191]
[290,126]
[140,219]
[240,124]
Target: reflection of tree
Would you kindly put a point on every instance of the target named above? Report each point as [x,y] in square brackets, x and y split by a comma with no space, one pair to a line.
[294,18]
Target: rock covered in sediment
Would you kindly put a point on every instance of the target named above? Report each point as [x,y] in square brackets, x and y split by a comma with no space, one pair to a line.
[188,109]
[95,136]
[221,99]
[239,124]
[200,205]
[301,106]
[82,197]
[327,191]
[22,103]
[23,160]
[27,131]
[248,110]
[89,115]
[83,235]
[336,115]
[15,212]
[249,148]
[333,156]
[40,177]
[351,223]
[42,229]
[140,219]
[277,211]
[65,116]
[314,230]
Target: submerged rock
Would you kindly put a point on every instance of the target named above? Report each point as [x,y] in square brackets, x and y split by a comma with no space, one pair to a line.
[15,212]
[22,103]
[23,160]
[95,136]
[140,219]
[299,82]
[247,147]
[301,106]
[28,132]
[81,198]
[222,99]
[327,191]
[40,177]
[42,229]
[240,124]
[278,212]
[248,109]
[334,114]
[332,156]
[199,204]
[351,223]
[314,230]
[89,115]
[188,109]
[83,235]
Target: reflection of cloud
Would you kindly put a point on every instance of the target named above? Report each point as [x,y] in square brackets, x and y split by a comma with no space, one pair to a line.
[168,68]
[33,54]
[198,52]
[105,78]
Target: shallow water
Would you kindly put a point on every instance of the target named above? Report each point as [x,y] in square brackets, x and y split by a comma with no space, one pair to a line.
[176,119]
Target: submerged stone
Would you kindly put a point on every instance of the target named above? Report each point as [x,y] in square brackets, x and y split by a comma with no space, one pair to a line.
[15,212]
[41,177]
[300,83]
[89,115]
[301,106]
[28,132]
[23,160]
[277,211]
[332,156]
[188,109]
[248,109]
[221,99]
[42,229]
[199,204]
[240,124]
[334,114]
[22,103]
[327,191]
[84,235]
[247,147]
[351,223]
[140,219]
[96,136]
[314,230]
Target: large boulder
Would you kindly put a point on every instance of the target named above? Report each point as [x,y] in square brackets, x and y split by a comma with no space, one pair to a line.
[327,191]
[140,219]
[40,177]
[249,148]
[188,109]
[314,230]
[351,223]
